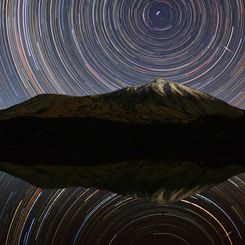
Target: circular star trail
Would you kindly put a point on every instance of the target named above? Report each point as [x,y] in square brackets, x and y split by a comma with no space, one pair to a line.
[30,215]
[84,47]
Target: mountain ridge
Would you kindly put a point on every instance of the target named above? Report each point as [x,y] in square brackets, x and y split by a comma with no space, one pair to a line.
[158,101]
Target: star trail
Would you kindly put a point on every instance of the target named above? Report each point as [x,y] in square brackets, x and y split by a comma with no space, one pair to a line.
[30,215]
[82,47]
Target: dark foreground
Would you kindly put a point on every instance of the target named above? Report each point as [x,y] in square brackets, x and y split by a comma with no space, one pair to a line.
[213,142]
[160,161]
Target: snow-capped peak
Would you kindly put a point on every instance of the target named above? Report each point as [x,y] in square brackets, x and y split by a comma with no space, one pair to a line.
[167,88]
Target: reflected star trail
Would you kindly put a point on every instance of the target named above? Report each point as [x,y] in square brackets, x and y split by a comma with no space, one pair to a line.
[30,215]
[84,47]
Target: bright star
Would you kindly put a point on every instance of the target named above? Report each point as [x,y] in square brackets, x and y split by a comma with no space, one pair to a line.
[225,47]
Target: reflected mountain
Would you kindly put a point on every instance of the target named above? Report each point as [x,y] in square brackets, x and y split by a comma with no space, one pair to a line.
[74,215]
[162,141]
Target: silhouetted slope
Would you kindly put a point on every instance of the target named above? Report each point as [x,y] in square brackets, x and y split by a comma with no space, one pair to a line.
[159,101]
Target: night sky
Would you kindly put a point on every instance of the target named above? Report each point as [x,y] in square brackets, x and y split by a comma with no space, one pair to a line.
[81,47]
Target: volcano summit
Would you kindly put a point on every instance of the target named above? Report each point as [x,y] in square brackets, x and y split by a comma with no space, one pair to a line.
[159,101]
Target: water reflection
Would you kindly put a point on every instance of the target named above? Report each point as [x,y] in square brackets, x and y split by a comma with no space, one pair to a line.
[30,215]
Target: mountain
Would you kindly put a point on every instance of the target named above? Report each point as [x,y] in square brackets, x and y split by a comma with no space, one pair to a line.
[159,101]
[161,140]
